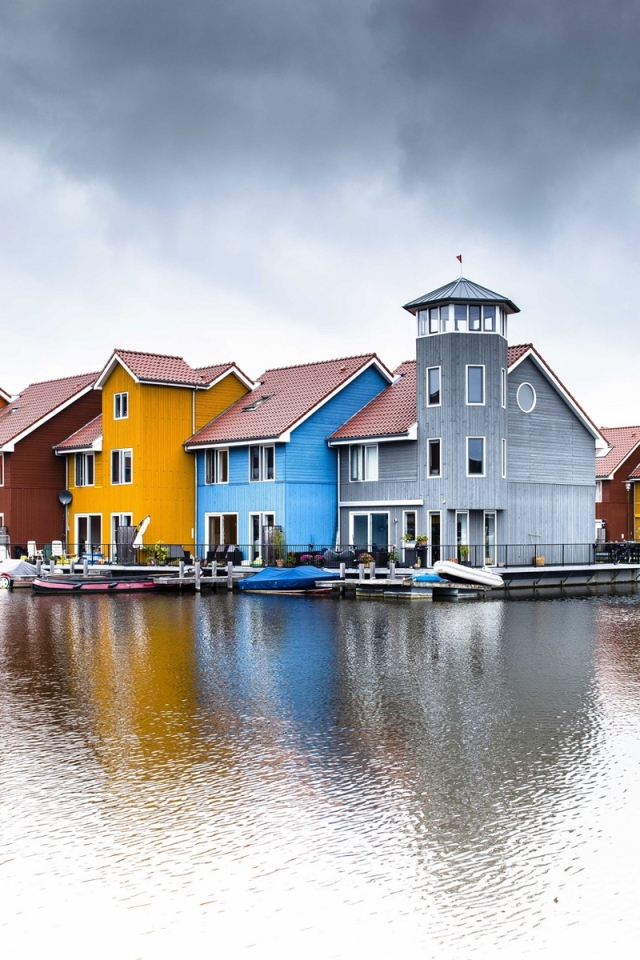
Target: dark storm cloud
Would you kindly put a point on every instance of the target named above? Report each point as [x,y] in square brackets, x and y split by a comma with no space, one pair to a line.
[485,106]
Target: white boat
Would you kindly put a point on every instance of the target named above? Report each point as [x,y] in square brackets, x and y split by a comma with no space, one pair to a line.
[459,573]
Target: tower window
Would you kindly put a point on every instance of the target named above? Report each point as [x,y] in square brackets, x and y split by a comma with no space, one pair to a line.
[460,317]
[475,319]
[489,317]
[423,317]
[434,319]
[433,387]
[475,384]
[475,457]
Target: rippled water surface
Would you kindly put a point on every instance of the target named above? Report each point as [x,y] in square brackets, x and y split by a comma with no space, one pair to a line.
[221,776]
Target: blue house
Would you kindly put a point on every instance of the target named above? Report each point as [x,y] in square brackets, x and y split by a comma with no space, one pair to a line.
[265,462]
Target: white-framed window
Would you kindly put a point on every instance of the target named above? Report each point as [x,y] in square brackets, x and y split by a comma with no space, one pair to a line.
[434,386]
[423,322]
[475,457]
[503,387]
[84,469]
[121,466]
[489,318]
[503,322]
[462,528]
[1,469]
[88,534]
[120,406]
[262,463]
[369,531]
[257,521]
[434,457]
[220,529]
[409,524]
[598,491]
[490,537]
[216,466]
[526,397]
[503,458]
[475,385]
[363,461]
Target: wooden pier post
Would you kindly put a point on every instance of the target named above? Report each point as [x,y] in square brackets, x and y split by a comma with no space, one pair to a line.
[361,571]
[52,566]
[181,569]
[38,567]
[343,571]
[85,566]
[229,575]
[392,570]
[196,570]
[214,569]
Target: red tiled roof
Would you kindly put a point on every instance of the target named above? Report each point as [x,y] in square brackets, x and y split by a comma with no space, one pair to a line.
[514,353]
[391,413]
[622,441]
[39,400]
[165,368]
[211,373]
[83,438]
[282,397]
[636,473]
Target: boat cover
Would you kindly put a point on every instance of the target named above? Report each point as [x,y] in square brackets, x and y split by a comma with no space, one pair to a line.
[429,578]
[288,578]
[17,568]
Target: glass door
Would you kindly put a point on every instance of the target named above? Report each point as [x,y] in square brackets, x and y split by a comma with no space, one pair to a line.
[490,538]
[462,536]
[434,537]
[257,522]
[379,531]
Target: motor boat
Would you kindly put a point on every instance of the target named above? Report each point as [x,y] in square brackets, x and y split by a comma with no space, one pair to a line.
[16,573]
[459,573]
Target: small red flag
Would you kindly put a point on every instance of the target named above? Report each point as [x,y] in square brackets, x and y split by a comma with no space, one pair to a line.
[459,257]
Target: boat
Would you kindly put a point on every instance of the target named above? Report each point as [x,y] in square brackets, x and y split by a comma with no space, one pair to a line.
[16,573]
[459,573]
[70,585]
[290,580]
[429,578]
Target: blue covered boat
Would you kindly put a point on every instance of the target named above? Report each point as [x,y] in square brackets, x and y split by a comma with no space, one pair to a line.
[288,580]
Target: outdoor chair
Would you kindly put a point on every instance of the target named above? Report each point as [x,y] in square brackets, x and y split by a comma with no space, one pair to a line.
[32,551]
[57,549]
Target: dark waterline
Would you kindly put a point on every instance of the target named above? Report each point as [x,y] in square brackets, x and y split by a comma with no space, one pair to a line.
[322,777]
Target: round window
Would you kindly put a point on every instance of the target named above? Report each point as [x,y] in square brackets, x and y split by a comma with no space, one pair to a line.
[526,397]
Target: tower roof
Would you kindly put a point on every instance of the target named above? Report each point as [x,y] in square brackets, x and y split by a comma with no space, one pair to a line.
[462,291]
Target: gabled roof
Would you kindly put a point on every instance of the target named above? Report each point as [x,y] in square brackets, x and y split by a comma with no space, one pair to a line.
[282,399]
[4,396]
[636,473]
[165,369]
[526,351]
[86,438]
[37,404]
[461,291]
[392,413]
[623,441]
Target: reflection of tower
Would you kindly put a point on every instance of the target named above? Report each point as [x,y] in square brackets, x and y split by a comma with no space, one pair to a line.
[462,412]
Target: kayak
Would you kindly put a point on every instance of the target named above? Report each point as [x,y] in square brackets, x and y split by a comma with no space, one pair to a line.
[458,573]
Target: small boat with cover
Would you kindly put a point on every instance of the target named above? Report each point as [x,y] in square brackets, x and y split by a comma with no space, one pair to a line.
[289,580]
[16,573]
[458,573]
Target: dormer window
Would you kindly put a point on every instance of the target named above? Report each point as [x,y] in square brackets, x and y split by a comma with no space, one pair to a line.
[256,403]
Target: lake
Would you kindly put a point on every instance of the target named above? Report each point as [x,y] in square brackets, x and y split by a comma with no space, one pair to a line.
[229,775]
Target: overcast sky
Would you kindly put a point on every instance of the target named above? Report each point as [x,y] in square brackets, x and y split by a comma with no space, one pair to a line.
[268,182]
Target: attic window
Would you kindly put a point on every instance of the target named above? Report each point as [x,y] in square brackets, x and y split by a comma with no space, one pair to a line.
[257,403]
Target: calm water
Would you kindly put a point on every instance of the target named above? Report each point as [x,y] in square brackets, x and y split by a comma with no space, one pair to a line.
[229,776]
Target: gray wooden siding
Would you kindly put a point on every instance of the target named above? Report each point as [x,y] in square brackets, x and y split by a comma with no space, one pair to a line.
[397,472]
[549,444]
[549,513]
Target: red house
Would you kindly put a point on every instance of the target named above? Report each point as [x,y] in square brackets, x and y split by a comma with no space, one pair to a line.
[31,476]
[614,492]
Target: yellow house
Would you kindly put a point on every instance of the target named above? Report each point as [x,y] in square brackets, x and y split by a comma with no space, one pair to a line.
[130,463]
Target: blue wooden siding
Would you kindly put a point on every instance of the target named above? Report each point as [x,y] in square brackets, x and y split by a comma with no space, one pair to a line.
[304,495]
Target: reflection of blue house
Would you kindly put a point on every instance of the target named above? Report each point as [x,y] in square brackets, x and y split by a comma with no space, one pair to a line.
[266,462]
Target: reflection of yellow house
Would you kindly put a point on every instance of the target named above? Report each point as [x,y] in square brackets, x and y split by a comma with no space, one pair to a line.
[635,480]
[130,462]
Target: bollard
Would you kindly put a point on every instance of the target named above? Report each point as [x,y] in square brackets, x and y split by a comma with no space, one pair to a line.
[214,569]
[392,570]
[38,567]
[372,571]
[196,570]
[52,566]
[361,571]
[343,571]
[85,567]
[181,569]
[229,575]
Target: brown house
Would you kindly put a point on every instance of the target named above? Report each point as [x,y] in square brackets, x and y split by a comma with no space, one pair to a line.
[614,491]
[31,476]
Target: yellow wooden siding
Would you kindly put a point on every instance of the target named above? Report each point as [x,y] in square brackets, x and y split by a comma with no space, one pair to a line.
[636,488]
[211,403]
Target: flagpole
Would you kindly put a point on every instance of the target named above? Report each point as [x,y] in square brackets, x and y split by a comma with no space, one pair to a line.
[459,257]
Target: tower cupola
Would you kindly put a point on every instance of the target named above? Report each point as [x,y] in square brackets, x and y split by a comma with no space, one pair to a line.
[462,307]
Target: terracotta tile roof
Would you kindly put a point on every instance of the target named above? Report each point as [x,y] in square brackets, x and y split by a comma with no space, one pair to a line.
[83,438]
[622,441]
[514,353]
[159,368]
[211,373]
[391,413]
[636,473]
[38,401]
[281,397]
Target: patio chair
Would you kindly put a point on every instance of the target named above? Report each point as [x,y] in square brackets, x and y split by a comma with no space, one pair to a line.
[32,551]
[57,550]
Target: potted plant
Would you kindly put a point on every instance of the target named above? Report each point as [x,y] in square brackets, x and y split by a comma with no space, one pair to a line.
[463,552]
[306,558]
[279,546]
[393,554]
[291,560]
[159,553]
[409,540]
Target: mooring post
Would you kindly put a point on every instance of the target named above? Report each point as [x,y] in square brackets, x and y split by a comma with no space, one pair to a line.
[52,566]
[229,575]
[181,569]
[361,571]
[38,567]
[392,570]
[196,570]
[343,571]
[85,566]
[214,569]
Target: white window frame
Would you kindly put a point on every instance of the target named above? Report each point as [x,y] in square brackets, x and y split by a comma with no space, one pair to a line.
[445,317]
[496,318]
[439,403]
[503,458]
[404,521]
[476,366]
[525,383]
[121,451]
[214,454]
[85,459]
[221,515]
[464,320]
[118,397]
[262,468]
[423,323]
[462,513]
[261,514]
[119,516]
[363,462]
[598,491]
[434,321]
[433,476]
[503,388]
[493,513]
[368,514]
[477,476]
[87,516]
[430,544]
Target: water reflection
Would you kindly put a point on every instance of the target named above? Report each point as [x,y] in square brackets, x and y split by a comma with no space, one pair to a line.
[429,775]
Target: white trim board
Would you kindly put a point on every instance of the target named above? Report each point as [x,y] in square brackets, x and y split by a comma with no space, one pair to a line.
[357,504]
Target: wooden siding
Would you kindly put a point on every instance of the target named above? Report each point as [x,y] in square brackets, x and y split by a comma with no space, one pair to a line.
[34,476]
[454,420]
[549,444]
[210,403]
[549,513]
[397,472]
[616,507]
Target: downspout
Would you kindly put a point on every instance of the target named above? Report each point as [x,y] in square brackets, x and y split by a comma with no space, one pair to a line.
[338,500]
[195,473]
